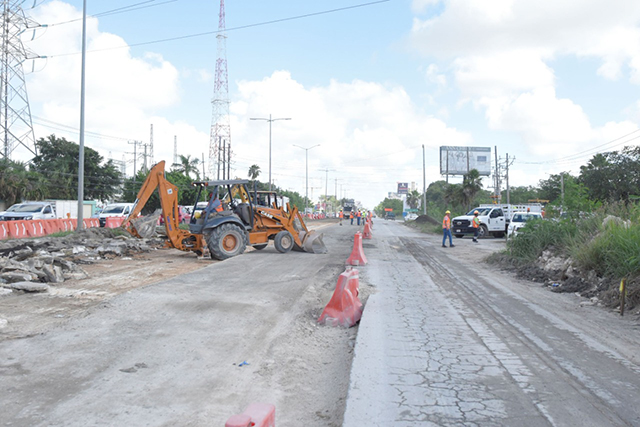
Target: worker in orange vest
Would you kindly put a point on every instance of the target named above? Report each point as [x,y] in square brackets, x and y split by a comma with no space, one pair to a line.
[446,230]
[359,215]
[475,222]
[351,217]
[341,215]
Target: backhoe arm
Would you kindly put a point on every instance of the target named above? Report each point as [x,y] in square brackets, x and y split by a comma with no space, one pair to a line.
[147,189]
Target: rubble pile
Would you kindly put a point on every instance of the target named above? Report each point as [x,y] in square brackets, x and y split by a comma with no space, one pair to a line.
[31,264]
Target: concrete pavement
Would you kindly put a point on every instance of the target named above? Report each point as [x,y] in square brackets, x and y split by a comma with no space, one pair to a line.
[446,341]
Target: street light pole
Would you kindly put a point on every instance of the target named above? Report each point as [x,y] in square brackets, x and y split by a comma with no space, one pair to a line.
[270,120]
[306,174]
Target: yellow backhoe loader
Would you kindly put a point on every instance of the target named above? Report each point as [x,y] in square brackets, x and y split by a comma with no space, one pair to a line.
[237,222]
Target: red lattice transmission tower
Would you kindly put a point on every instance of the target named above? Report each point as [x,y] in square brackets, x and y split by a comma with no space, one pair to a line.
[220,141]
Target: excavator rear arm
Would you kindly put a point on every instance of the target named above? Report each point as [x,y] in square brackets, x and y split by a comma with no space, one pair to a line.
[168,194]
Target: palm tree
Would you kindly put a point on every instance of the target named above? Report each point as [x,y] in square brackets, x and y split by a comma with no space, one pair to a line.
[471,186]
[453,195]
[188,165]
[254,171]
[413,199]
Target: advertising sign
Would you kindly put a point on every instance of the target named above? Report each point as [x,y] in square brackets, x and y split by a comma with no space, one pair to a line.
[403,187]
[460,160]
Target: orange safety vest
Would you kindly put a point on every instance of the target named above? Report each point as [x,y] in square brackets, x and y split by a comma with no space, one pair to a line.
[359,214]
[475,222]
[341,214]
[351,214]
[217,205]
[446,222]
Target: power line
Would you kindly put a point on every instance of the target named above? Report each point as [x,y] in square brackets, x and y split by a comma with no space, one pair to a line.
[242,27]
[593,150]
[119,10]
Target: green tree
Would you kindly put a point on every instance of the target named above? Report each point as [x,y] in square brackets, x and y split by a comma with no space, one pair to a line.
[414,199]
[254,171]
[186,192]
[58,162]
[471,186]
[613,176]
[522,194]
[187,165]
[18,184]
[387,203]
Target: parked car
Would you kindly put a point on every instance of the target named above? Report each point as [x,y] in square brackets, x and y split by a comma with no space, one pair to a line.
[29,210]
[183,215]
[410,216]
[519,220]
[390,215]
[114,209]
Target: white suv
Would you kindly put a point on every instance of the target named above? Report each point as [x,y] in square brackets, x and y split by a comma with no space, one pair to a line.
[518,220]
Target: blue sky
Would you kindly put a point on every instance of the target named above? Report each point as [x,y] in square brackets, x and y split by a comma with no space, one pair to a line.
[371,84]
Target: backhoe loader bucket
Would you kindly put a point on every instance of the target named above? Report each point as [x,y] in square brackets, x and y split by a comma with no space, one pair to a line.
[311,242]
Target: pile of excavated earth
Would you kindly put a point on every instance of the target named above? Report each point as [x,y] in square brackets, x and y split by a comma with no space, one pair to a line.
[30,265]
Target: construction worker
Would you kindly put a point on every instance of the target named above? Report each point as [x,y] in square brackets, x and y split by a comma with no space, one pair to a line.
[358,216]
[446,230]
[351,217]
[341,214]
[475,222]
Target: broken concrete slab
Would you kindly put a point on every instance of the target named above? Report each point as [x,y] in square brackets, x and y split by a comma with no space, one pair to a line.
[15,276]
[28,286]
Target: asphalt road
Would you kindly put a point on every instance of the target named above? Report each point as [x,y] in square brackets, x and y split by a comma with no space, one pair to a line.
[446,340]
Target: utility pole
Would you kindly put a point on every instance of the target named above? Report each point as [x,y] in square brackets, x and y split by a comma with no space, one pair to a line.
[135,155]
[151,146]
[270,120]
[175,149]
[326,187]
[424,184]
[80,223]
[204,178]
[306,173]
[497,187]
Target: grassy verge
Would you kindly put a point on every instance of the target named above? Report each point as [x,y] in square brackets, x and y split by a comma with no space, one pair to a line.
[605,242]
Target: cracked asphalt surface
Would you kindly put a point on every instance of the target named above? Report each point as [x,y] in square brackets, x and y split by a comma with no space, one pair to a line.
[447,341]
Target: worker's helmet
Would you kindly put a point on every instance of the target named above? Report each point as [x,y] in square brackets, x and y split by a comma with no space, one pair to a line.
[448,212]
[476,212]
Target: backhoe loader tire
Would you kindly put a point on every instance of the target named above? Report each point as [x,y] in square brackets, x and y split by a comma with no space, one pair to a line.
[260,247]
[283,241]
[226,241]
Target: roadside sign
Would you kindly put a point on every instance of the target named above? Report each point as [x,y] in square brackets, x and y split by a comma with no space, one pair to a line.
[388,209]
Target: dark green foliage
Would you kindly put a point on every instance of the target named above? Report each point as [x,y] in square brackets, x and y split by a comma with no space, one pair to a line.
[57,161]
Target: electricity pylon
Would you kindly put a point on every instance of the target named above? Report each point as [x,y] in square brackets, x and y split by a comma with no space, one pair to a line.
[15,114]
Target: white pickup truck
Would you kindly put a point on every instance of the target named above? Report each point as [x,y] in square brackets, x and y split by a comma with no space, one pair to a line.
[494,219]
[28,211]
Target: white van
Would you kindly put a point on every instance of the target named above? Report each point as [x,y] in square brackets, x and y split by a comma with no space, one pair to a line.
[114,209]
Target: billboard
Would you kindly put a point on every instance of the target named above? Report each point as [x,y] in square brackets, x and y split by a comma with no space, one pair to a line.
[460,160]
[403,187]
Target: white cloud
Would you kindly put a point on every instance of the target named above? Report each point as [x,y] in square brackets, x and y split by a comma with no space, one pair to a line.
[370,135]
[500,55]
[124,93]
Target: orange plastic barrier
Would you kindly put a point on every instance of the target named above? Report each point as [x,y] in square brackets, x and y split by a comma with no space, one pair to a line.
[357,254]
[256,414]
[17,229]
[4,230]
[367,231]
[344,308]
[95,222]
[114,221]
[51,226]
[35,228]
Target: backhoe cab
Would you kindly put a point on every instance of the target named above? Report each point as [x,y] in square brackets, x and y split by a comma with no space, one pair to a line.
[242,222]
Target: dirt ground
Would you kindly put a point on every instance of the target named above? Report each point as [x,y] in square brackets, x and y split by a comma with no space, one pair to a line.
[28,314]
